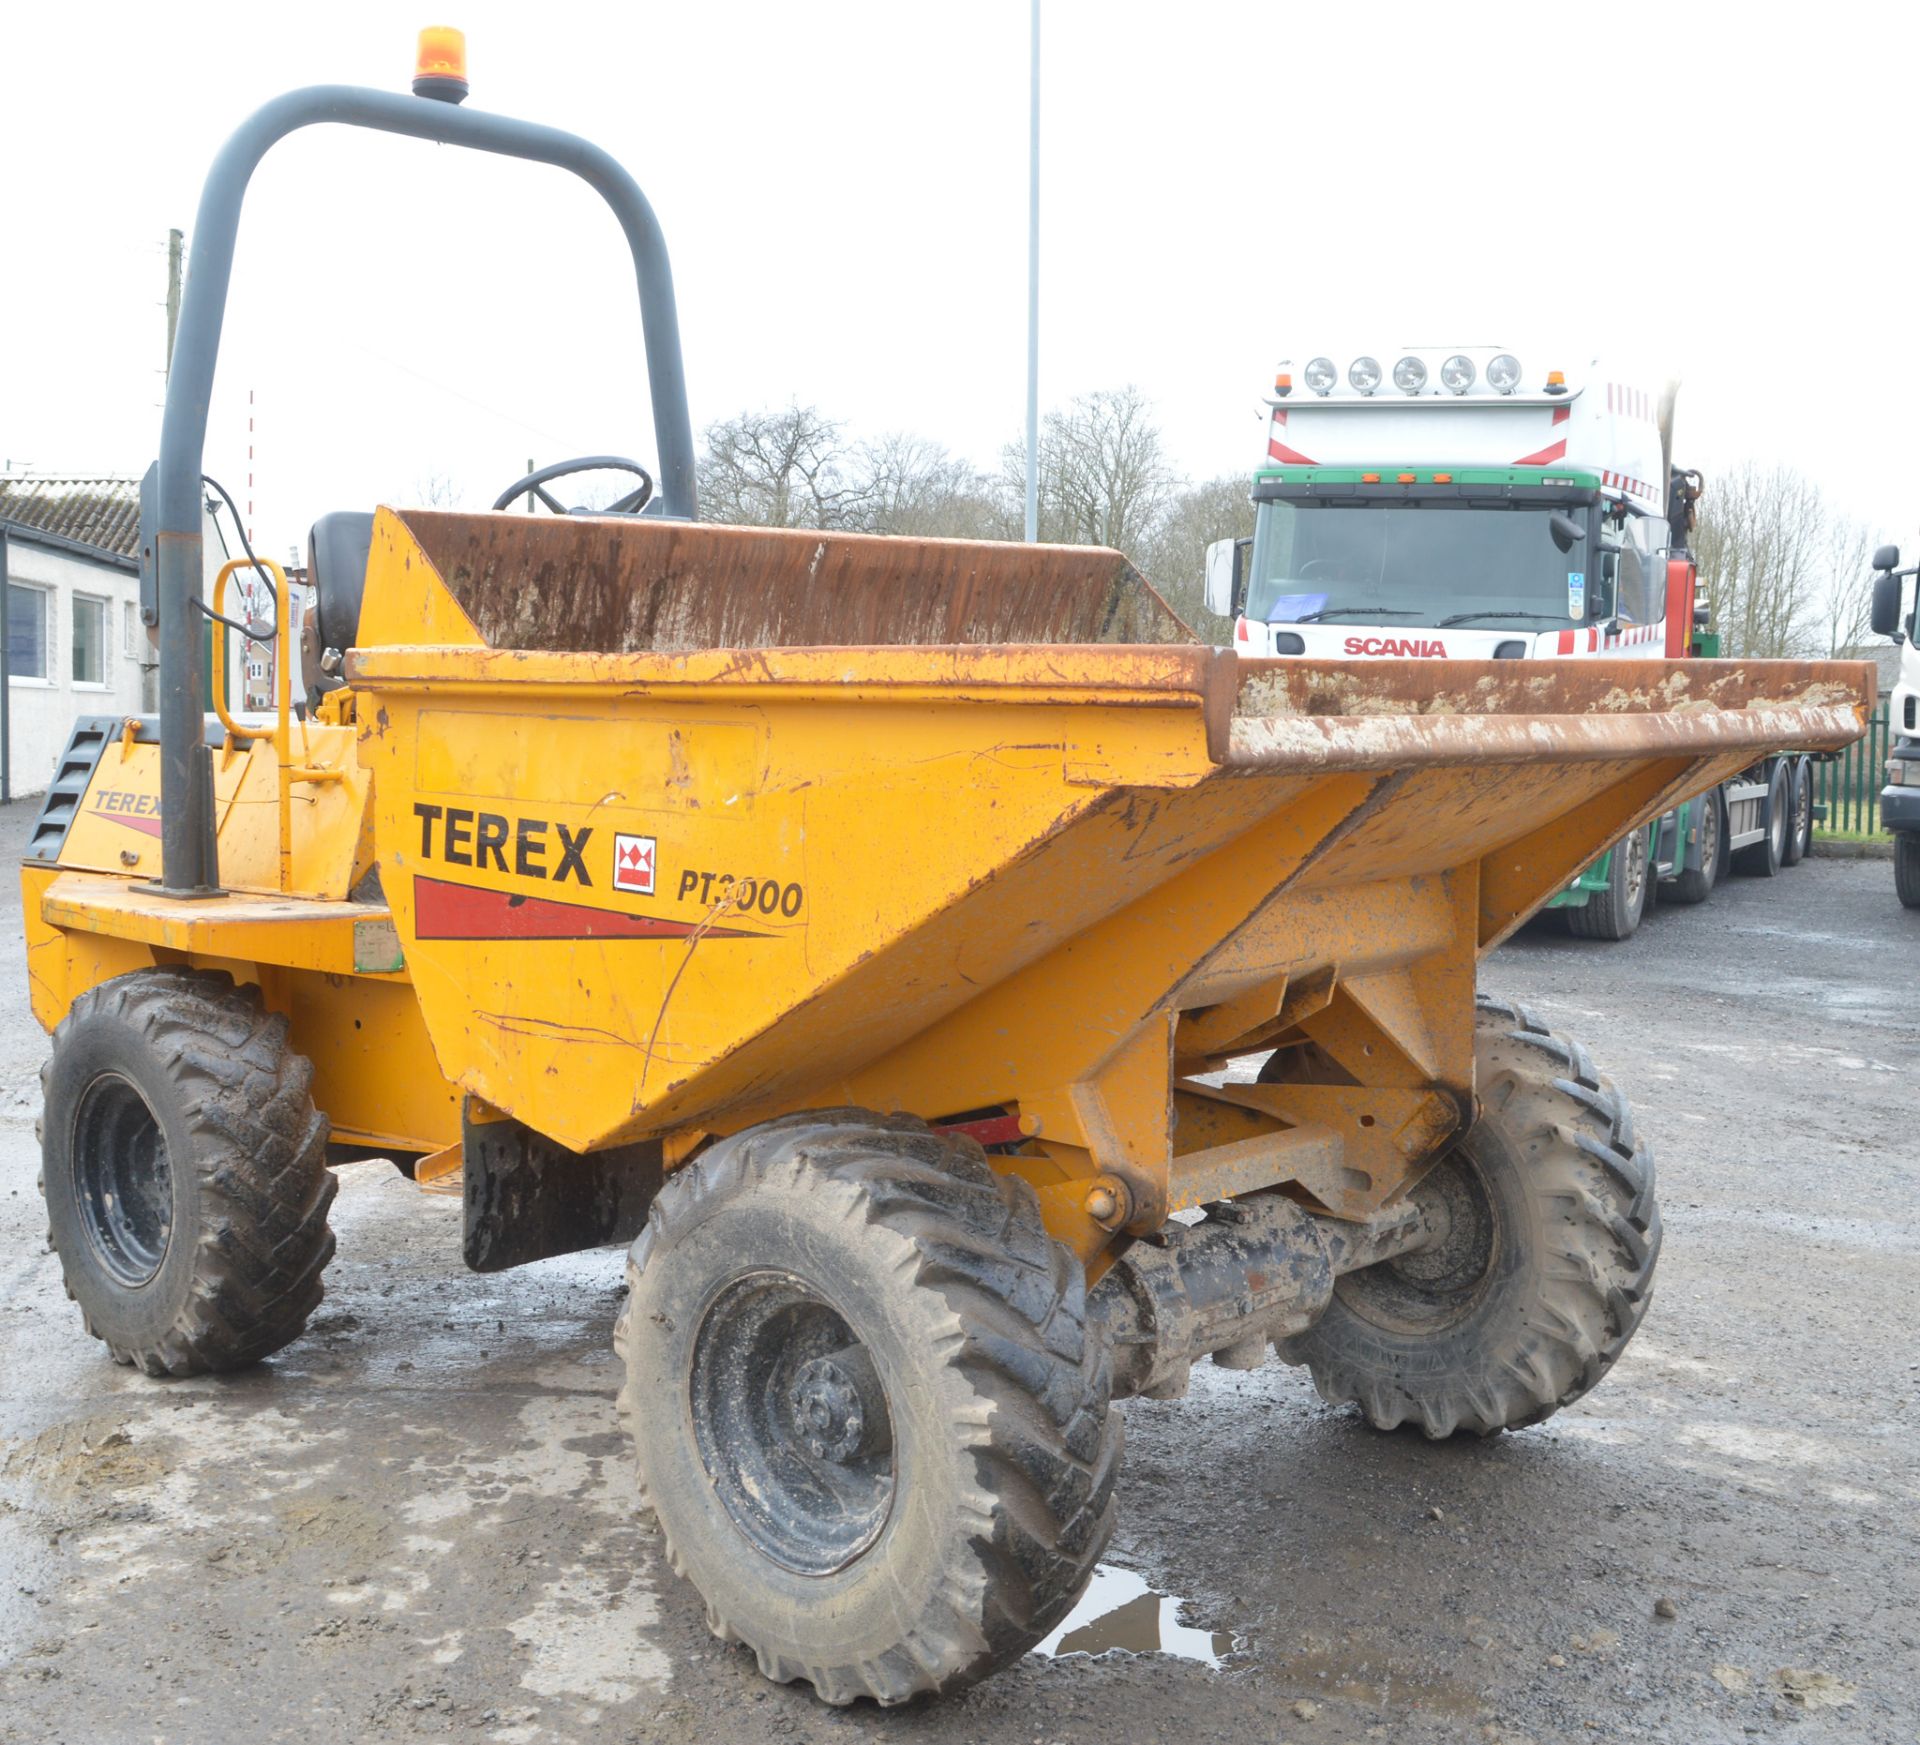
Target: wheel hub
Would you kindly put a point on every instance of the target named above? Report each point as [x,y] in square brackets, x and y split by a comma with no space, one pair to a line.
[791,1419]
[839,1412]
[123,1180]
[1438,1282]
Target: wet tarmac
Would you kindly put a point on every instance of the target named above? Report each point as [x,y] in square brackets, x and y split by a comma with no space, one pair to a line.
[418,1523]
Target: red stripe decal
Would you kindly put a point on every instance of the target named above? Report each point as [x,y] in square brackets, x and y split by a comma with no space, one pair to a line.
[1561,414]
[1566,642]
[444,910]
[147,826]
[1278,450]
[992,1130]
[1544,457]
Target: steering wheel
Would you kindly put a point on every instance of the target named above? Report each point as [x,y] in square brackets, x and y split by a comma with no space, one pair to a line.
[535,484]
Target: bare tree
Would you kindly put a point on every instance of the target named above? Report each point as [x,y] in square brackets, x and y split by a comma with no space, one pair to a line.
[1847,599]
[1104,477]
[790,468]
[914,486]
[434,491]
[1760,542]
[1174,554]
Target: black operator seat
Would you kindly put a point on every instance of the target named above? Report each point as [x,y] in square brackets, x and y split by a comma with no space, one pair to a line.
[337,553]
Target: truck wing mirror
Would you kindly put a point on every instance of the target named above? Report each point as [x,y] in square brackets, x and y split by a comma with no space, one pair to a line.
[1226,564]
[1567,532]
[1887,558]
[1885,616]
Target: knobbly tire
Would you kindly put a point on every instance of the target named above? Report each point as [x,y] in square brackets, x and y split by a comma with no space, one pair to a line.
[184,1170]
[869,1413]
[1544,1264]
[1616,912]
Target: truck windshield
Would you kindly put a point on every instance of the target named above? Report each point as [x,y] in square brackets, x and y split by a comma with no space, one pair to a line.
[1417,563]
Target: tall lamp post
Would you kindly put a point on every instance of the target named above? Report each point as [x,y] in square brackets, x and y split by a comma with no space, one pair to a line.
[1033,294]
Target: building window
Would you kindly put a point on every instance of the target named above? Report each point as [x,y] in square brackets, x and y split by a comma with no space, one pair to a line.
[89,640]
[26,631]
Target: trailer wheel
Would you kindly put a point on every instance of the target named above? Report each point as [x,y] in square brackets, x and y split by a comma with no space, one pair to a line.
[1615,913]
[1906,868]
[1695,884]
[184,1169]
[869,1412]
[1800,833]
[1763,859]
[1543,1267]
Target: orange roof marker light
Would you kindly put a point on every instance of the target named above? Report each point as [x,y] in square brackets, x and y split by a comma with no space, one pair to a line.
[440,70]
[1556,381]
[1403,478]
[1283,384]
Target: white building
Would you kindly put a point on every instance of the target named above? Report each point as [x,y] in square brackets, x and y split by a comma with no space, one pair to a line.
[75,644]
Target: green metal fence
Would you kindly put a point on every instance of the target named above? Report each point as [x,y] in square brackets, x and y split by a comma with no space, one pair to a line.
[1849,787]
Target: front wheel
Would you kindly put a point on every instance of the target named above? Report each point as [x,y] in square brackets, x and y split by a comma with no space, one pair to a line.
[1546,1236]
[870,1415]
[1906,868]
[184,1169]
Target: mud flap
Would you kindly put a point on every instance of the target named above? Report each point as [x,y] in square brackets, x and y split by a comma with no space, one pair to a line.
[528,1198]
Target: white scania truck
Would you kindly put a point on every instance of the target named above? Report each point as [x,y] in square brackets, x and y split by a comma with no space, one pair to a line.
[1464,505]
[1900,798]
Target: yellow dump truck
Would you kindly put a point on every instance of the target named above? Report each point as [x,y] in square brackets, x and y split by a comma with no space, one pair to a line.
[858,928]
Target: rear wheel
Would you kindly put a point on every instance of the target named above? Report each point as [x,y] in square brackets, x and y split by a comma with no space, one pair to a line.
[1542,1266]
[1695,884]
[185,1172]
[1615,912]
[1763,859]
[1906,868]
[869,1413]
[1800,831]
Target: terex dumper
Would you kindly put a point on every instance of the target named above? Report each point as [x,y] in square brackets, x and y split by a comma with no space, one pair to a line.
[853,926]
[1469,505]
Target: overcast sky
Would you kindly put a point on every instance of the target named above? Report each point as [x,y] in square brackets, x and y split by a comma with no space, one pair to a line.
[1724,194]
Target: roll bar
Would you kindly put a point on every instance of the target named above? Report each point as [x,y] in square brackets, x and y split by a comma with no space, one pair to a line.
[189,858]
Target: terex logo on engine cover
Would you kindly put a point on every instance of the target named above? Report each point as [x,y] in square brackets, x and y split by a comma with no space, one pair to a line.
[1426,648]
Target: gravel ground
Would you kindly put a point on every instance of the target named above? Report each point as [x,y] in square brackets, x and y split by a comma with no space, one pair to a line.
[417,1521]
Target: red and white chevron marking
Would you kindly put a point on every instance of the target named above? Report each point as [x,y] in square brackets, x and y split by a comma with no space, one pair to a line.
[1632,486]
[1545,457]
[1589,640]
[1278,450]
[1629,402]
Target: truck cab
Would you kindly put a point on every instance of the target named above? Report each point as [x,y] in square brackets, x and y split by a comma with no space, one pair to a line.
[1462,508]
[1896,613]
[1471,505]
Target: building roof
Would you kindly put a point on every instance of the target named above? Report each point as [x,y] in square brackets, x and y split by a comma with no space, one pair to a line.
[100,514]
[1884,655]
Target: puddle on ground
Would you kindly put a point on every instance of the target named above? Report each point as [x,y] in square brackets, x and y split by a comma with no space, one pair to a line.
[1120,1611]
